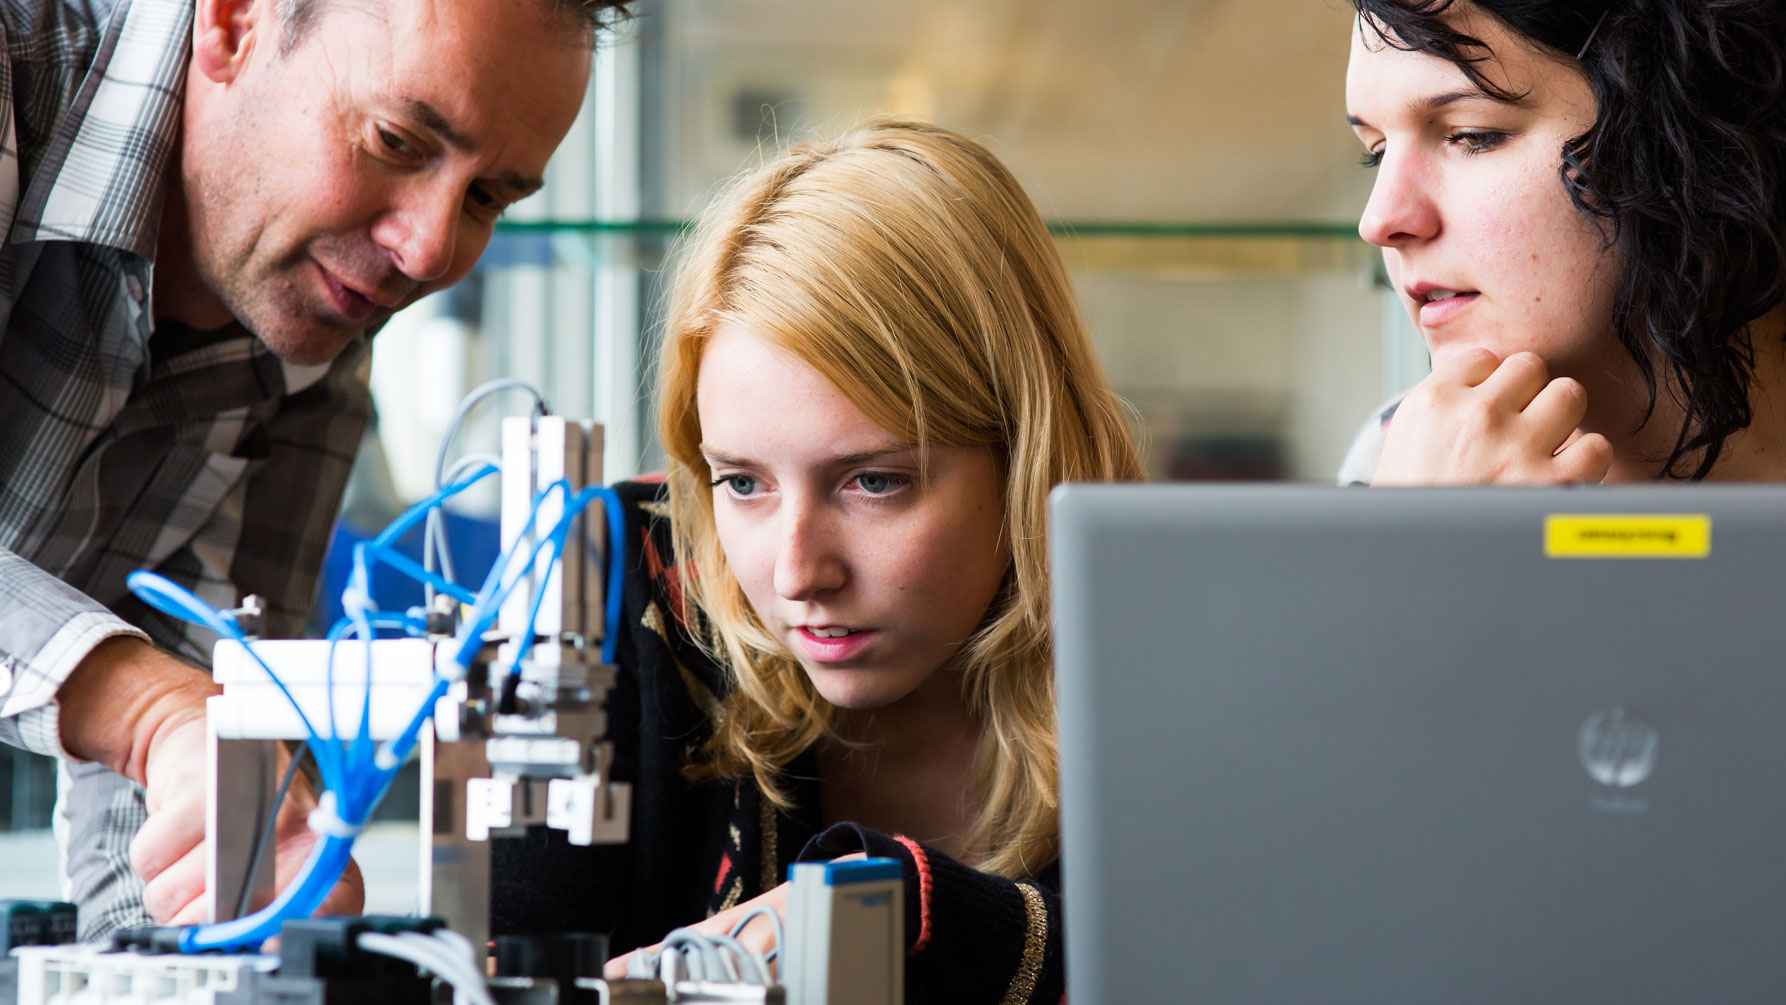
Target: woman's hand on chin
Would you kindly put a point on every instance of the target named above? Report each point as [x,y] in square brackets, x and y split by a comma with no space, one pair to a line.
[1481,420]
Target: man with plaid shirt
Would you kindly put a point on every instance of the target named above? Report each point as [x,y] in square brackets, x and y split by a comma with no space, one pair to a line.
[207,205]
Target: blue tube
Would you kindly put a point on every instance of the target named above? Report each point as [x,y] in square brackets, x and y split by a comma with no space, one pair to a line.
[486,613]
[499,570]
[492,608]
[340,630]
[321,872]
[495,591]
[379,548]
[616,570]
[175,600]
[405,741]
[415,514]
[524,644]
[328,766]
[413,569]
[358,782]
[349,628]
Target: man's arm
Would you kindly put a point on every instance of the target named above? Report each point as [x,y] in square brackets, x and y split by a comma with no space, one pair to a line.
[141,713]
[88,686]
[277,525]
[125,701]
[47,629]
[83,684]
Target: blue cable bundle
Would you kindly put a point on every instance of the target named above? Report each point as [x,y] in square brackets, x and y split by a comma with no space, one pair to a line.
[355,775]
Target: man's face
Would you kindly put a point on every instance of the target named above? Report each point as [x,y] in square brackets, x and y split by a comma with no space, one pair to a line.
[331,185]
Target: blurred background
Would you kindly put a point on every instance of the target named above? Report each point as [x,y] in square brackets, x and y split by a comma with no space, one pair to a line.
[1191,155]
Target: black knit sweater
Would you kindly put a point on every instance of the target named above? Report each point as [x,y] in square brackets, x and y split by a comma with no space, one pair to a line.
[698,848]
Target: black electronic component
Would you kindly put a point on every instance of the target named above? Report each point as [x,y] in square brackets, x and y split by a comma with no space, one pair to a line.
[31,923]
[147,939]
[35,923]
[329,947]
[328,950]
[508,702]
[563,957]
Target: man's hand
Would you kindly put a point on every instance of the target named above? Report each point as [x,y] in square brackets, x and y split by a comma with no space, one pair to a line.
[1480,421]
[141,713]
[169,852]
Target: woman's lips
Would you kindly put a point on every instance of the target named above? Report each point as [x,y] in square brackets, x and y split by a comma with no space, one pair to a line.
[820,649]
[1437,312]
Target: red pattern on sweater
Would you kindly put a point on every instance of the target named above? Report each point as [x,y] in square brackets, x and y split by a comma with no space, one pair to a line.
[924,888]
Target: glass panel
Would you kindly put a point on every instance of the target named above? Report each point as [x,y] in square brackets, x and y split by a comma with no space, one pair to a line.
[1201,146]
[1194,155]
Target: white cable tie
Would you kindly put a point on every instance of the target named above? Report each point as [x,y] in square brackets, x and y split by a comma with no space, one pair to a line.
[326,821]
[354,601]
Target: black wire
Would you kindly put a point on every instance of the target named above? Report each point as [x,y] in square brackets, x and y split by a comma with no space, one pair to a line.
[264,836]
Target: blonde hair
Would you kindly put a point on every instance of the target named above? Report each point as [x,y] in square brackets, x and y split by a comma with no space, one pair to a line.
[905,264]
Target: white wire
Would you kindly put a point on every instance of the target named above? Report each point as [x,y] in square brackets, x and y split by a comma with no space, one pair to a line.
[774,916]
[469,985]
[467,403]
[389,945]
[457,956]
[435,546]
[465,949]
[704,957]
[432,956]
[435,532]
[460,944]
[696,956]
[428,959]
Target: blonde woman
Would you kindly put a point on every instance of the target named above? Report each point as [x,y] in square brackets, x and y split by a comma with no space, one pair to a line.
[873,373]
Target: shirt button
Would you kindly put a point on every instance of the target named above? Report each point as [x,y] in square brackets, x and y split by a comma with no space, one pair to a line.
[134,287]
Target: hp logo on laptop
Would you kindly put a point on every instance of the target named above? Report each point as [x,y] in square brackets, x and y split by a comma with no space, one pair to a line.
[1618,748]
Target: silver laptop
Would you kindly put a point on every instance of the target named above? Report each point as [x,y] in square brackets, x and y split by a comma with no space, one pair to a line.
[1349,745]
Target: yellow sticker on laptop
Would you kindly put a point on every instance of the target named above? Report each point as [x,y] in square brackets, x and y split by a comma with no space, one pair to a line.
[1627,535]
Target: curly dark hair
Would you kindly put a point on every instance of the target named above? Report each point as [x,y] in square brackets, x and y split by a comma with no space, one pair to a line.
[1684,167]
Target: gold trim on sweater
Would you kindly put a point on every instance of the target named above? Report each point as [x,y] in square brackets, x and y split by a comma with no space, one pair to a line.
[770,842]
[1035,942]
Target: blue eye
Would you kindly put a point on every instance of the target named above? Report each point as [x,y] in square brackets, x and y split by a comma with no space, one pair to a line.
[738,485]
[879,483]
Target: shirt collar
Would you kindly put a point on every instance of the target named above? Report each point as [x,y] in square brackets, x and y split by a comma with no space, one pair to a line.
[100,180]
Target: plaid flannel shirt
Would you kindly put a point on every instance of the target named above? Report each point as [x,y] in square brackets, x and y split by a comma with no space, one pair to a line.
[125,444]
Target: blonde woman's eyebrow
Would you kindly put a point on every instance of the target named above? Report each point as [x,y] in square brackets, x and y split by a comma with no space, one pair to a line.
[870,456]
[723,459]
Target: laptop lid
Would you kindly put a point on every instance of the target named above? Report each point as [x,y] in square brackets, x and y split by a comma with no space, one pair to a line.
[1422,745]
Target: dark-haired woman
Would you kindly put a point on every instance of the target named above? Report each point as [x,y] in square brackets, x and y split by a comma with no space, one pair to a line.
[1582,204]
